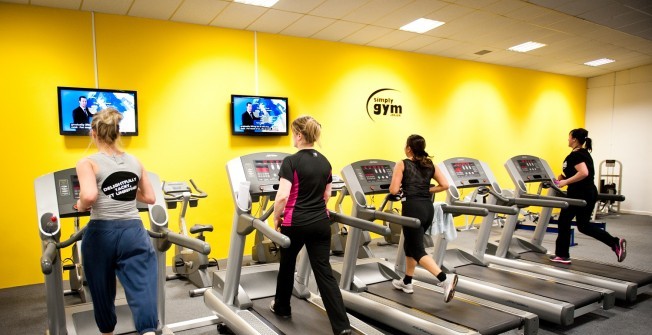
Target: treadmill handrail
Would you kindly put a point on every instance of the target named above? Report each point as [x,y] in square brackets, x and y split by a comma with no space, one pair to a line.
[570,201]
[539,202]
[48,257]
[509,210]
[611,197]
[271,233]
[359,223]
[394,218]
[188,242]
[475,211]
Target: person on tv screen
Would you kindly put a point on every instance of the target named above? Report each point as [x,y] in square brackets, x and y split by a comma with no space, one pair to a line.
[249,118]
[81,115]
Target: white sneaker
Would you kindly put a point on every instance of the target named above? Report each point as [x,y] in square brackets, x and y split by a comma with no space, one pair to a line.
[400,285]
[449,286]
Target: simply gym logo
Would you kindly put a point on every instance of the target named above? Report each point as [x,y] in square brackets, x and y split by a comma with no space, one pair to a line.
[384,102]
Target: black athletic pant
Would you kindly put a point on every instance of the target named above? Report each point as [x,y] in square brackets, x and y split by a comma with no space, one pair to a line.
[582,217]
[317,239]
[413,237]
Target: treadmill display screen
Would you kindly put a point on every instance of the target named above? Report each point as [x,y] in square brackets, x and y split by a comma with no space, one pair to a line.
[75,186]
[267,170]
[529,165]
[377,173]
[465,169]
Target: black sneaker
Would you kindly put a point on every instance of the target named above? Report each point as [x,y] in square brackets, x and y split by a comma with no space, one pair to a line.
[271,308]
[562,260]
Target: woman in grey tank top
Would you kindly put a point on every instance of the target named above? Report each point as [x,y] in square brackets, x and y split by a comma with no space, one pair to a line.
[115,242]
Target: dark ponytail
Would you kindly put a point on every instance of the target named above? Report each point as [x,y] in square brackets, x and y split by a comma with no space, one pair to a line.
[582,136]
[418,146]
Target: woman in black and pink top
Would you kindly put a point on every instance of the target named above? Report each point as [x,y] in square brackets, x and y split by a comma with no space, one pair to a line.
[300,213]
[578,173]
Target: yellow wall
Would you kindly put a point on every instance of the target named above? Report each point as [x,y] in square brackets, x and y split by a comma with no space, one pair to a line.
[185,74]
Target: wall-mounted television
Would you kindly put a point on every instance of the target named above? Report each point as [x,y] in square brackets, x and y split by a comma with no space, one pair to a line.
[256,115]
[78,105]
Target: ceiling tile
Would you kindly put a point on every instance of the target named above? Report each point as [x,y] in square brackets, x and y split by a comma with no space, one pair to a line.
[338,30]
[391,39]
[337,9]
[273,21]
[67,4]
[109,7]
[579,7]
[199,11]
[416,43]
[477,4]
[303,6]
[238,16]
[373,10]
[307,25]
[526,13]
[439,46]
[504,7]
[450,13]
[409,13]
[366,35]
[154,9]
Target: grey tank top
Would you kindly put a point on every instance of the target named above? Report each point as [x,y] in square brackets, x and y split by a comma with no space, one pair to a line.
[117,184]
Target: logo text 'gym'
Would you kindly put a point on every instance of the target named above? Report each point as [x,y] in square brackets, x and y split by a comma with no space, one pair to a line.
[384,102]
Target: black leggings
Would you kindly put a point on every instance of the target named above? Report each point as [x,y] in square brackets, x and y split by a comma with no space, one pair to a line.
[425,212]
[317,239]
[582,217]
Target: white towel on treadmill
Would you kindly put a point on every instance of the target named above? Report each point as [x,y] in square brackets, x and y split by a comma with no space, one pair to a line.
[442,223]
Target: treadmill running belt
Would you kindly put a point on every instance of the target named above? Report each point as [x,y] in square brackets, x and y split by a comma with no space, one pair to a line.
[609,271]
[483,319]
[306,317]
[576,296]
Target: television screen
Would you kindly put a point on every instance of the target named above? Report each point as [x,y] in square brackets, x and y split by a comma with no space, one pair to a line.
[259,115]
[78,105]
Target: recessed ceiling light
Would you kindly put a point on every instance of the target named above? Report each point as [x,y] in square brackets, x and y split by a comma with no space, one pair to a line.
[527,46]
[421,25]
[599,62]
[262,3]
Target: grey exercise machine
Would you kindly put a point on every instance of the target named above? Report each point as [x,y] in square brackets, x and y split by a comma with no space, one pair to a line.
[188,263]
[424,312]
[241,296]
[553,300]
[627,283]
[56,194]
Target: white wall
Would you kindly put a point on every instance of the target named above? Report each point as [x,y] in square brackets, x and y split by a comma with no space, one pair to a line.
[619,120]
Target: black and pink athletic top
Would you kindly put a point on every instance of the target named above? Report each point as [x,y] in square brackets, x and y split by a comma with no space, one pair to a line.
[309,172]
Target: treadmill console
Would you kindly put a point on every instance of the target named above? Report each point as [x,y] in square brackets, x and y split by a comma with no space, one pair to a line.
[370,176]
[467,172]
[525,169]
[259,169]
[530,169]
[373,176]
[67,192]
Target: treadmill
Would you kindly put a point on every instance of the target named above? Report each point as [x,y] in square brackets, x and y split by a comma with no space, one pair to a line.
[554,300]
[56,194]
[241,296]
[368,280]
[627,283]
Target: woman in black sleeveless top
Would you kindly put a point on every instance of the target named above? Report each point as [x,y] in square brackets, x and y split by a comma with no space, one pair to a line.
[412,177]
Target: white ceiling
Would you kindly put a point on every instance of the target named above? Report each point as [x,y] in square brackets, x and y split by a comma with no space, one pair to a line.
[575,31]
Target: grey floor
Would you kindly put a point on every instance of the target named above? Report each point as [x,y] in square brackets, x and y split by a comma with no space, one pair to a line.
[23,310]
